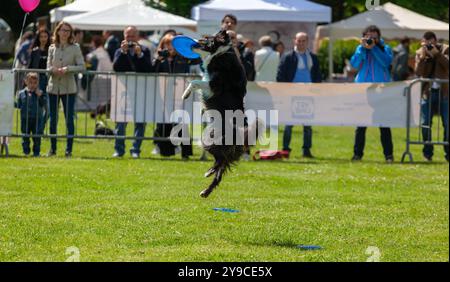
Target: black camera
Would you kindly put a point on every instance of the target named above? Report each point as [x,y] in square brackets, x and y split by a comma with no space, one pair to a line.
[429,47]
[369,41]
[131,44]
[164,53]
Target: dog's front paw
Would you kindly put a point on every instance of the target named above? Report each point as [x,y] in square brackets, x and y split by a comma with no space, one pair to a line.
[187,92]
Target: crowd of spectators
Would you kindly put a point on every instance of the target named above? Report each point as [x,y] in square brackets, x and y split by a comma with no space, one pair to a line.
[63,54]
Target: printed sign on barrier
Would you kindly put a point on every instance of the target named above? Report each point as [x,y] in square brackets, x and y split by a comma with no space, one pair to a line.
[6,102]
[152,99]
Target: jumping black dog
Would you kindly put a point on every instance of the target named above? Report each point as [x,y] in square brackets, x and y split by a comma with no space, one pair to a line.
[223,89]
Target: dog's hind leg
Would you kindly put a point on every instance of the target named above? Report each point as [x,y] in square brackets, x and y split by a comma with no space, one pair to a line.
[212,170]
[216,181]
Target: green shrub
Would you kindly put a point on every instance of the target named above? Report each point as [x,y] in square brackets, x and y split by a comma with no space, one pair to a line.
[342,50]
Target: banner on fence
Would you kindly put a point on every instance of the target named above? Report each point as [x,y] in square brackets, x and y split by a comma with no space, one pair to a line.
[328,104]
[336,104]
[140,98]
[6,102]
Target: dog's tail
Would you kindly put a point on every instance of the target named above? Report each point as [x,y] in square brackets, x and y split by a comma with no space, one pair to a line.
[226,156]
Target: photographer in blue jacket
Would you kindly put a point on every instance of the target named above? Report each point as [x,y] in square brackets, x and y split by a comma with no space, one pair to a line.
[373,60]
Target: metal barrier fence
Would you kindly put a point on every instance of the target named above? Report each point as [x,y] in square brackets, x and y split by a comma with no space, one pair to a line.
[429,106]
[159,95]
[94,100]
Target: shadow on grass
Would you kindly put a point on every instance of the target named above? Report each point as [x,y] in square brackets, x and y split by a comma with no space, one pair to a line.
[316,161]
[127,158]
[279,244]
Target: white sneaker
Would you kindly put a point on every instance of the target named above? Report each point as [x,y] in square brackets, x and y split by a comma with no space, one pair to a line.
[156,151]
[116,155]
[135,155]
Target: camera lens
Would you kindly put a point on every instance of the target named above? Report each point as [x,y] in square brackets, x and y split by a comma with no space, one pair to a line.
[164,53]
[429,47]
[369,41]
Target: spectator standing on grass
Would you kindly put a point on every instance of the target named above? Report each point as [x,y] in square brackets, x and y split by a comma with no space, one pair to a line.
[112,43]
[24,51]
[131,57]
[38,60]
[432,62]
[400,67]
[266,60]
[235,43]
[229,23]
[372,59]
[168,61]
[248,55]
[99,57]
[299,66]
[279,47]
[64,61]
[31,101]
[22,58]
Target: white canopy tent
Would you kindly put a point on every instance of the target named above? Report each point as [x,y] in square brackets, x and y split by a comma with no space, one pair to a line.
[258,17]
[263,10]
[83,6]
[393,21]
[132,13]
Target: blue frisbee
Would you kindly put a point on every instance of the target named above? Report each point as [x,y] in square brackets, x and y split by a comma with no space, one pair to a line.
[226,210]
[184,45]
[309,247]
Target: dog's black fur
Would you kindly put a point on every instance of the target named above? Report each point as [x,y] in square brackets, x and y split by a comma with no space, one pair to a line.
[228,87]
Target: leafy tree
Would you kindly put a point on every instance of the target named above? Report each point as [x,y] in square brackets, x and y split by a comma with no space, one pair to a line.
[13,14]
[179,7]
[59,2]
[437,9]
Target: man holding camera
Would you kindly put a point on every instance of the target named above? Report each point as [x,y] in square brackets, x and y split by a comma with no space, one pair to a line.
[373,59]
[432,62]
[131,57]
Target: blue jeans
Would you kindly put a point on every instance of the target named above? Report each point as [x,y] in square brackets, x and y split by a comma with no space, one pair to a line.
[427,106]
[43,81]
[307,138]
[139,131]
[68,101]
[31,126]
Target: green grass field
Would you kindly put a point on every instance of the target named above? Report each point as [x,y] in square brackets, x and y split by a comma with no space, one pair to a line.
[150,210]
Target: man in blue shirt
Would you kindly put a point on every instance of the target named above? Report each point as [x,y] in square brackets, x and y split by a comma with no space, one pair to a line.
[373,59]
[299,66]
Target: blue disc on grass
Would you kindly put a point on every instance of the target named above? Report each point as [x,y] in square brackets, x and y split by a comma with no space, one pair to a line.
[225,210]
[309,247]
[184,45]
